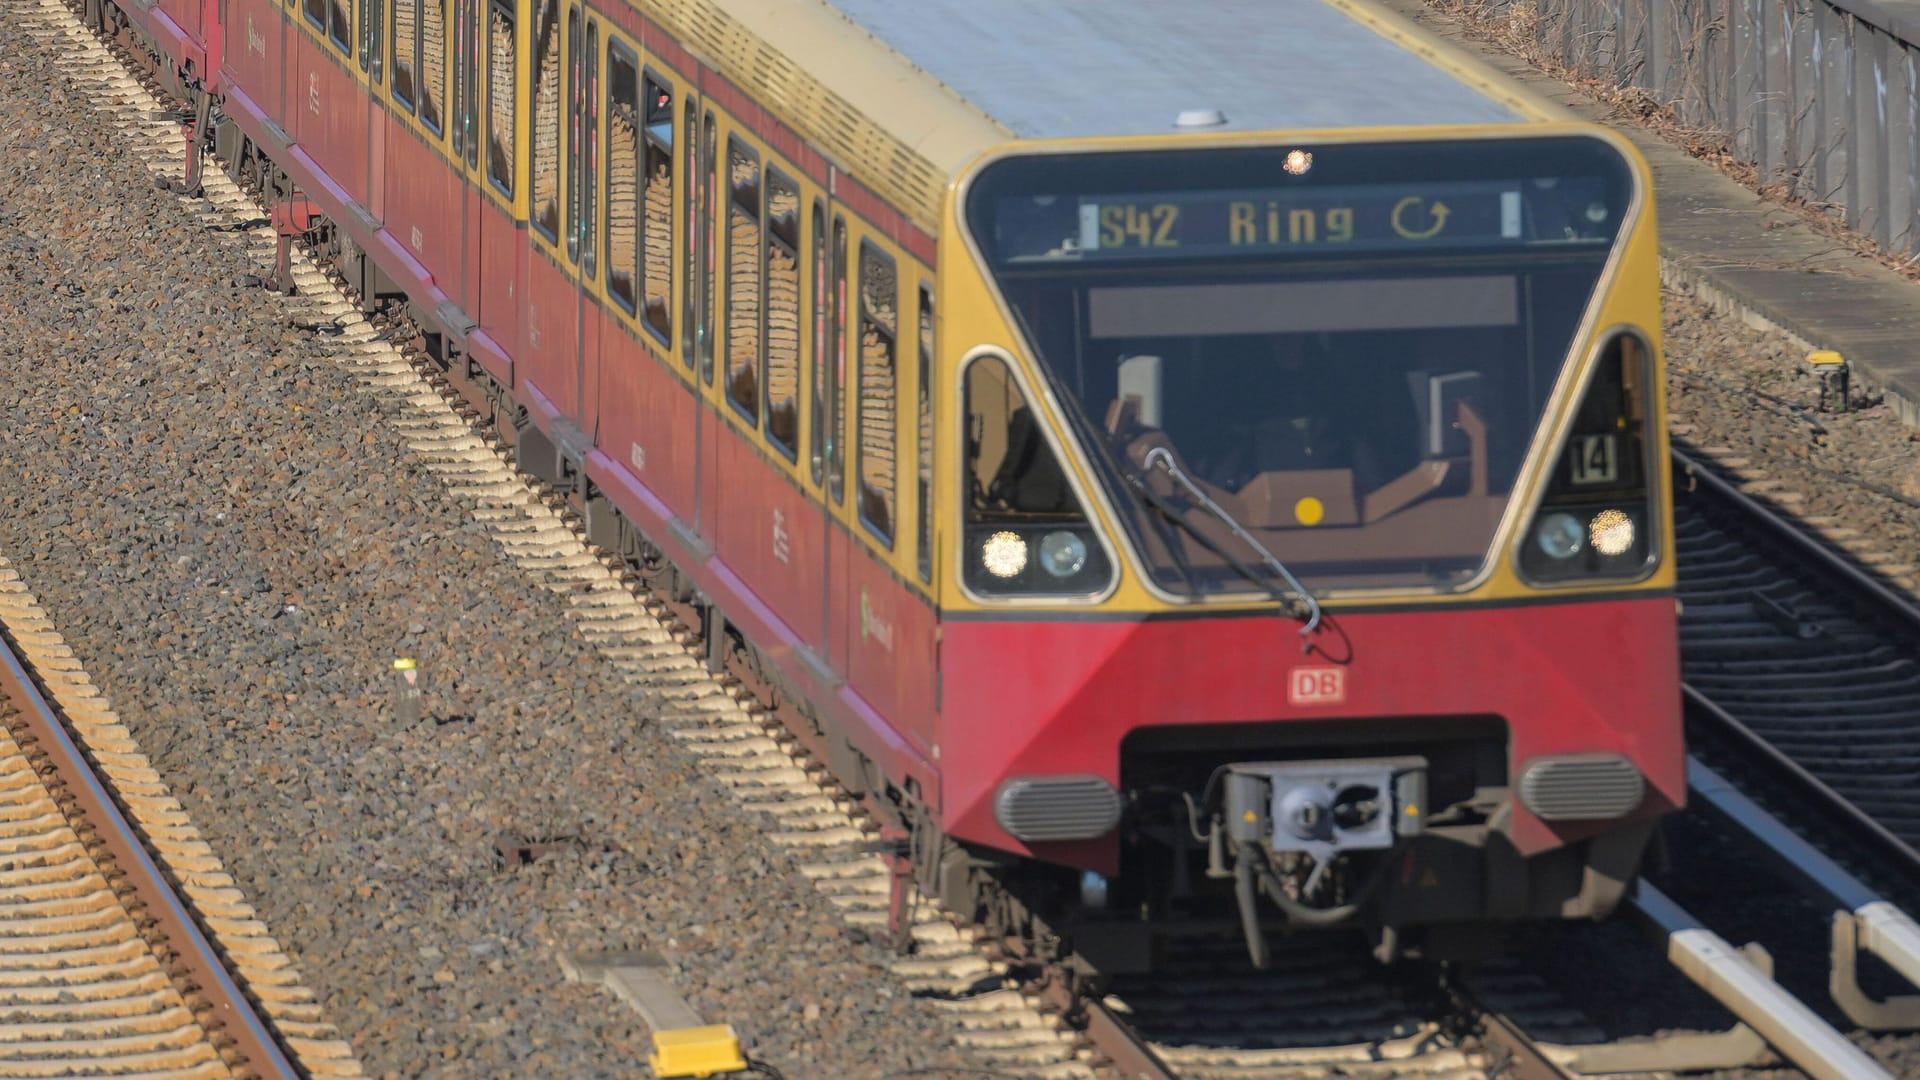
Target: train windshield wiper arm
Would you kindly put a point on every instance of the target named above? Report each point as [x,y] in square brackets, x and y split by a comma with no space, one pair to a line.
[1161,458]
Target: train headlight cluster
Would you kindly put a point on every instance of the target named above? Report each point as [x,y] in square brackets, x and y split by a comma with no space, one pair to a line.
[1054,559]
[1062,554]
[1560,535]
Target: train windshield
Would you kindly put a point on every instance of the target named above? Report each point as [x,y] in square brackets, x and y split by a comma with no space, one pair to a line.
[1346,348]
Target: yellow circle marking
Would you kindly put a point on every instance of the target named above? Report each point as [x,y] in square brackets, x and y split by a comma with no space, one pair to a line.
[1251,817]
[1309,511]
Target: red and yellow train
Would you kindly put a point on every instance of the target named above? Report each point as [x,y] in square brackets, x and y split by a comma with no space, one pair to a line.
[1174,461]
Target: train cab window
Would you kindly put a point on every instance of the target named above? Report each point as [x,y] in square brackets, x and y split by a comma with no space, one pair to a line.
[623,176]
[546,121]
[837,366]
[743,279]
[1026,533]
[817,450]
[657,228]
[340,24]
[433,64]
[877,385]
[503,99]
[924,489]
[406,50]
[783,312]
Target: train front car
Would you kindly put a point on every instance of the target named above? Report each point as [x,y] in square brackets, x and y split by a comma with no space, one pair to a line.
[1314,539]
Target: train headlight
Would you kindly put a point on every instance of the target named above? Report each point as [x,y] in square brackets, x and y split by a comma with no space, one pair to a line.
[1559,536]
[1062,554]
[1004,554]
[1611,532]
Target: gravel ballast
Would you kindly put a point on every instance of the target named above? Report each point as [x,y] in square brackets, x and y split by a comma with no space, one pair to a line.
[236,545]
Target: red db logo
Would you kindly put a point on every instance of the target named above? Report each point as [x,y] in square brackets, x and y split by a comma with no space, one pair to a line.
[1317,686]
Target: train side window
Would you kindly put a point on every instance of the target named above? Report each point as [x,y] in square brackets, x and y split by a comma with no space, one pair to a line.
[657,226]
[743,278]
[576,116]
[317,13]
[709,221]
[692,325]
[783,312]
[546,121]
[464,104]
[924,487]
[623,175]
[372,25]
[340,24]
[433,64]
[406,50]
[817,234]
[837,366]
[503,99]
[877,386]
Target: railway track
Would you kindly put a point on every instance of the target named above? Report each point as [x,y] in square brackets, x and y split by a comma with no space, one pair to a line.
[1800,666]
[103,969]
[1331,1014]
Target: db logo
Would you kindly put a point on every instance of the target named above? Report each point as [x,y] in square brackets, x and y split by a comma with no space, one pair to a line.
[1316,686]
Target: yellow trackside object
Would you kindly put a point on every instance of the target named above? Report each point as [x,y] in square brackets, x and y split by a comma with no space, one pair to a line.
[1824,358]
[696,1051]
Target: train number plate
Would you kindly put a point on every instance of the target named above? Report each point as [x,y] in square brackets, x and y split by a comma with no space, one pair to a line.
[1596,459]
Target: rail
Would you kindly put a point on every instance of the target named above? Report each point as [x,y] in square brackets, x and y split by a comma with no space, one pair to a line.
[254,1045]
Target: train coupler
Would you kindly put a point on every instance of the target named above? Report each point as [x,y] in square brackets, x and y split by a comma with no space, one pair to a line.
[1288,824]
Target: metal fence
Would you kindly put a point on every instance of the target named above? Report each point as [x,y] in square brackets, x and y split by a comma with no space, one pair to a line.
[1821,94]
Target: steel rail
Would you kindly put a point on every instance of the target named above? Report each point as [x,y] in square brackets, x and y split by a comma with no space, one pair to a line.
[254,1042]
[1129,1054]
[1884,929]
[1782,1019]
[1779,529]
[1860,825]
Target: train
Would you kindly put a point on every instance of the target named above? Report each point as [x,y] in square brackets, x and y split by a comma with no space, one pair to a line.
[1174,465]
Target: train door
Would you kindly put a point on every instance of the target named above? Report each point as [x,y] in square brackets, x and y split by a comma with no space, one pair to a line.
[582,178]
[830,426]
[373,15]
[706,426]
[465,137]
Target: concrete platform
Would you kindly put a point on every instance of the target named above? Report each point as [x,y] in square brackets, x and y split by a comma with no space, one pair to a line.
[1745,254]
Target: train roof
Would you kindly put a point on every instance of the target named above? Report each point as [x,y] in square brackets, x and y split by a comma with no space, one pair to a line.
[903,94]
[1068,68]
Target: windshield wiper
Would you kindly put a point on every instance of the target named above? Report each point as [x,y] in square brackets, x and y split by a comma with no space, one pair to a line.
[1161,458]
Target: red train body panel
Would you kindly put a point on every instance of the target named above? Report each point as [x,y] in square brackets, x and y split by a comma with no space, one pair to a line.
[1551,671]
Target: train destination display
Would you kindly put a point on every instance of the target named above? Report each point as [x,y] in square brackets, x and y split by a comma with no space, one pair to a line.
[1298,220]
